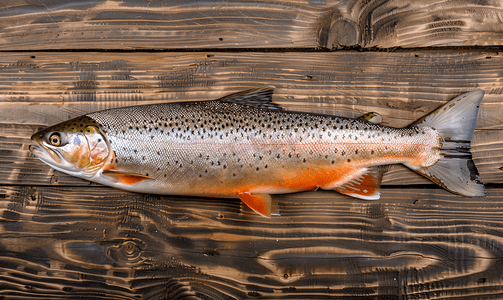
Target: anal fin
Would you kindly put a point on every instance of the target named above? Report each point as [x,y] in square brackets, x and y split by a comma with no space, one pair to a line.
[365,186]
[124,178]
[260,203]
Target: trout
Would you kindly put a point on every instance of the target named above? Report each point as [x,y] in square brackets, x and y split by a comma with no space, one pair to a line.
[245,146]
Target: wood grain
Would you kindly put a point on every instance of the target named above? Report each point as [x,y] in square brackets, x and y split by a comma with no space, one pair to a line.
[402,87]
[61,24]
[54,87]
[101,242]
[62,237]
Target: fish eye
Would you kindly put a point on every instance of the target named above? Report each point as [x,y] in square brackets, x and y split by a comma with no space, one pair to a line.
[55,140]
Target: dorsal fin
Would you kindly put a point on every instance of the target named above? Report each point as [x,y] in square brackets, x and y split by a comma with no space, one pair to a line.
[257,97]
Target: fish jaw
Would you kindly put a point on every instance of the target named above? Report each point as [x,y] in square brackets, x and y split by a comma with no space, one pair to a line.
[46,155]
[54,160]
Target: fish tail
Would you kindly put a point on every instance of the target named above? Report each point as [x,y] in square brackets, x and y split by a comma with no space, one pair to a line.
[455,122]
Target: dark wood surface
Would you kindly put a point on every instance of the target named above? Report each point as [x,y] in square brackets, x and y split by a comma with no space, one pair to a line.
[412,244]
[146,24]
[63,237]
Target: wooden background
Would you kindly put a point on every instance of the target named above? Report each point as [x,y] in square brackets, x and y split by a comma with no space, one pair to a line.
[62,237]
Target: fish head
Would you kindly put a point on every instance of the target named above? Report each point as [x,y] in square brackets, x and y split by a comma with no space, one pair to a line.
[77,147]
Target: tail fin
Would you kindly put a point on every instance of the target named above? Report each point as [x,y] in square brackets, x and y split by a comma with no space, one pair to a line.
[455,122]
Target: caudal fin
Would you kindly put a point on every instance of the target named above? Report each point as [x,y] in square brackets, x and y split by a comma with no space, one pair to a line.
[455,121]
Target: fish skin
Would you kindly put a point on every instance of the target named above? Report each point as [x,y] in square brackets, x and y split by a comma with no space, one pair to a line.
[222,148]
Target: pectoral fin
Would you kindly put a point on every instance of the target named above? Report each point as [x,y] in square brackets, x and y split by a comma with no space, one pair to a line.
[365,186]
[124,178]
[260,203]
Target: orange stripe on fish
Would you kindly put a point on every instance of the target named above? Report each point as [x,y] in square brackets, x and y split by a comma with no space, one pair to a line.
[124,178]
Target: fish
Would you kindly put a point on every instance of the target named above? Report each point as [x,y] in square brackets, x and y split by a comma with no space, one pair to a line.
[248,147]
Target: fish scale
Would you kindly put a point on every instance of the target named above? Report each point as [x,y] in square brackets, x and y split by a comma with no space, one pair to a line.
[245,146]
[189,147]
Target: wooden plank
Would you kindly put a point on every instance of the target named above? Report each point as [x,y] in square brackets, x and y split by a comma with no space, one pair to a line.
[60,24]
[101,242]
[62,237]
[401,86]
[53,87]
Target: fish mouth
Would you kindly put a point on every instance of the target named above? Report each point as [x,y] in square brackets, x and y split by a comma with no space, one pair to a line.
[48,156]
[53,158]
